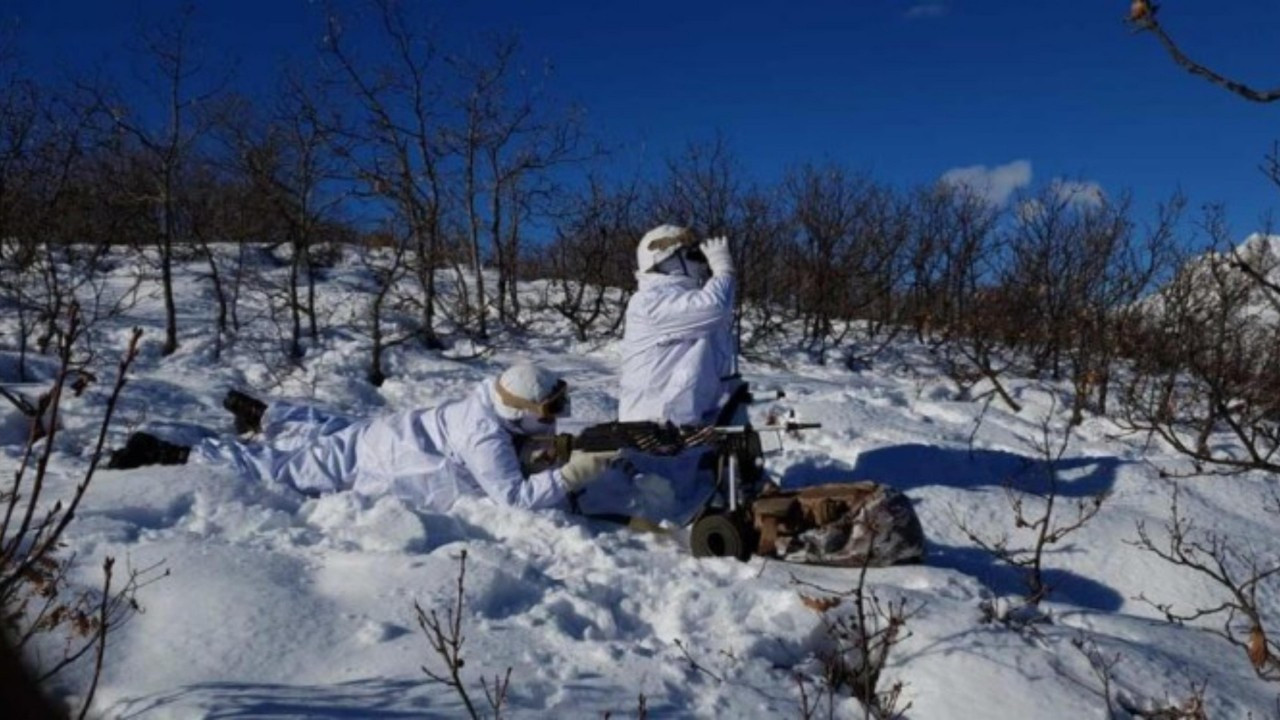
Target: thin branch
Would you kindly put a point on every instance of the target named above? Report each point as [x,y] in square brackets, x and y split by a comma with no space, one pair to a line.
[1147,22]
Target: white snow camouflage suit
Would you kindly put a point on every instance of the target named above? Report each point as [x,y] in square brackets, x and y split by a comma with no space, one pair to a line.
[427,457]
[676,349]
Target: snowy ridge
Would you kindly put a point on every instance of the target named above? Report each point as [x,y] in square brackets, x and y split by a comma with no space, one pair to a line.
[1207,278]
[282,606]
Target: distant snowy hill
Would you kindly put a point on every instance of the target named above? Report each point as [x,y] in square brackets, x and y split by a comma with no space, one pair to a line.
[1207,279]
[278,605]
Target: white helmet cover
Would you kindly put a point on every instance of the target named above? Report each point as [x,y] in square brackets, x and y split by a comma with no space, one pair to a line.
[527,391]
[661,243]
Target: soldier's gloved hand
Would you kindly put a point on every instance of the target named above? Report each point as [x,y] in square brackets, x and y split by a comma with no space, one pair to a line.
[718,259]
[584,468]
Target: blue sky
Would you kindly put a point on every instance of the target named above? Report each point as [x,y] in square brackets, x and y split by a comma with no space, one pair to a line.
[905,90]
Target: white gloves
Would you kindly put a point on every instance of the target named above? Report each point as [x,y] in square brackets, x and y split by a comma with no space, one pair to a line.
[584,468]
[718,259]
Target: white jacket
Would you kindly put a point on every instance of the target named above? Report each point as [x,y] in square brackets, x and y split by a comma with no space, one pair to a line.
[427,457]
[676,349]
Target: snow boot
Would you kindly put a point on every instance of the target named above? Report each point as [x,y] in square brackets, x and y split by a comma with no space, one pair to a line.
[145,449]
[247,411]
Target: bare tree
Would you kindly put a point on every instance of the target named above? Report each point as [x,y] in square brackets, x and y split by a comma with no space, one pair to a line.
[1225,384]
[701,188]
[224,208]
[826,204]
[1205,358]
[178,77]
[1077,268]
[510,140]
[949,260]
[763,285]
[1263,266]
[55,217]
[396,143]
[590,260]
[1110,292]
[382,255]
[286,158]
[20,113]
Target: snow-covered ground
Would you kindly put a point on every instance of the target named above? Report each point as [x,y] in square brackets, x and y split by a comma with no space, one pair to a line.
[281,606]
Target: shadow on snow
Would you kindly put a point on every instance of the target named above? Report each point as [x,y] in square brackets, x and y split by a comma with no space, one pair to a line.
[910,467]
[364,698]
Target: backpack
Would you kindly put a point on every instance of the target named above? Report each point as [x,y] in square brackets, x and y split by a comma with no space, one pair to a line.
[845,524]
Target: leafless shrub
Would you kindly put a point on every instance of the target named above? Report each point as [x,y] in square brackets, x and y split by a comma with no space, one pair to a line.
[1191,707]
[951,296]
[696,665]
[35,598]
[446,638]
[1102,666]
[589,263]
[1034,497]
[848,246]
[1223,361]
[811,706]
[861,640]
[1122,704]
[1238,573]
[762,296]
[1204,360]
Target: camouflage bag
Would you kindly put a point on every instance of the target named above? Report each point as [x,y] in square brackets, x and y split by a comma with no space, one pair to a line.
[847,524]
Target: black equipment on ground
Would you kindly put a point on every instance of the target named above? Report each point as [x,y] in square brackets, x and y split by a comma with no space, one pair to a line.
[848,524]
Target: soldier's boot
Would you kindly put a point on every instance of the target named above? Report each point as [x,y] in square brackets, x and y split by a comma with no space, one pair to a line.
[247,410]
[146,449]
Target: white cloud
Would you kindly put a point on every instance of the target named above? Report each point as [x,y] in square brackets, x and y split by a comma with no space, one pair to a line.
[1078,193]
[996,184]
[924,10]
[1065,194]
[1030,210]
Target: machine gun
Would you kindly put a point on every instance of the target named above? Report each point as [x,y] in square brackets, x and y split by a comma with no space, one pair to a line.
[724,526]
[542,452]
[746,513]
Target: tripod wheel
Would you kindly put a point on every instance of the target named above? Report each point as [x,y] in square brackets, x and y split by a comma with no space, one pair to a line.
[719,535]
